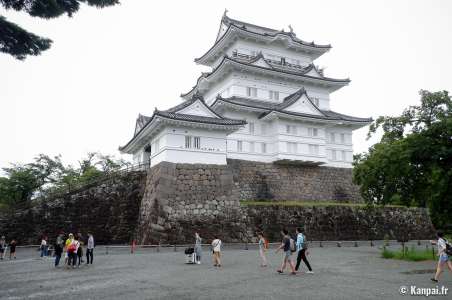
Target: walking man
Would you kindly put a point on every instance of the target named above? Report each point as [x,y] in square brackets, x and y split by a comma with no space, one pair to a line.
[89,249]
[286,246]
[301,250]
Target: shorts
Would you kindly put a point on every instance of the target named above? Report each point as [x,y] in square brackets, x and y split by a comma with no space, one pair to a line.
[287,254]
[443,258]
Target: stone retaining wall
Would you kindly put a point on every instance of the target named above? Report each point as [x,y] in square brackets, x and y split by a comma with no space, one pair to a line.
[341,222]
[109,210]
[269,181]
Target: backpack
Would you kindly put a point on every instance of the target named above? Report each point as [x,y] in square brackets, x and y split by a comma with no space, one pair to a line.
[292,245]
[448,249]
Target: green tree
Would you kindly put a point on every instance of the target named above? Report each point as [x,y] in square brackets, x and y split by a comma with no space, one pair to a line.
[46,175]
[412,164]
[19,42]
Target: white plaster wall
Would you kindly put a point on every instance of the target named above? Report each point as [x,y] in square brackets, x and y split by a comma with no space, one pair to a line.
[239,82]
[212,149]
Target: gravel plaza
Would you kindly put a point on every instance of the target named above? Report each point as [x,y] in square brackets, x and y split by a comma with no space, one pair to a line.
[340,273]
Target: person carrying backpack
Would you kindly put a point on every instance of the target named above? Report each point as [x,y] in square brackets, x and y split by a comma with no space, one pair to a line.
[263,246]
[301,245]
[288,246]
[444,251]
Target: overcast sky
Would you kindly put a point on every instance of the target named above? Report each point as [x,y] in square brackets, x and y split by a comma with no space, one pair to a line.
[106,66]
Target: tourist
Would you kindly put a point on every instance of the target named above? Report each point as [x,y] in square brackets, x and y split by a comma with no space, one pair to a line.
[89,249]
[79,250]
[12,249]
[263,245]
[80,239]
[198,248]
[216,250]
[443,257]
[69,249]
[59,245]
[301,250]
[287,246]
[2,247]
[44,246]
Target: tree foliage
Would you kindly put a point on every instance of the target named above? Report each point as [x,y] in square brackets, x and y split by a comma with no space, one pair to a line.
[412,164]
[46,175]
[20,43]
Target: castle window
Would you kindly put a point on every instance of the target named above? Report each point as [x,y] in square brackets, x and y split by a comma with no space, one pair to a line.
[188,142]
[342,138]
[333,155]
[291,129]
[239,146]
[264,147]
[197,142]
[251,146]
[251,128]
[273,95]
[332,137]
[313,132]
[314,149]
[344,155]
[251,92]
[292,147]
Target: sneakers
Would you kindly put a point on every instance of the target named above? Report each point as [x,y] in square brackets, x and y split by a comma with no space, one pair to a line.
[310,272]
[279,271]
[198,262]
[433,279]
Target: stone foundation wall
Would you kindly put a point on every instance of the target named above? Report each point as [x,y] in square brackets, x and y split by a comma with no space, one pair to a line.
[268,181]
[108,209]
[341,222]
[172,201]
[181,199]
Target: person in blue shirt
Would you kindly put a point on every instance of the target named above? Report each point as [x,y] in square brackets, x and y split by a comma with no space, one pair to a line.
[301,250]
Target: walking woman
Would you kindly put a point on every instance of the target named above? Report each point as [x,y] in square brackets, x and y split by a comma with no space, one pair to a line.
[198,248]
[262,249]
[443,257]
[216,249]
[69,249]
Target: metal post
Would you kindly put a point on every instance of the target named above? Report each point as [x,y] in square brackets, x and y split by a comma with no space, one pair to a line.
[371,243]
[246,245]
[158,247]
[339,244]
[106,249]
[320,244]
[356,244]
[175,248]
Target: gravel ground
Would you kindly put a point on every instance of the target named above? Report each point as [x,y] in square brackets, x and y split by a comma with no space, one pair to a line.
[340,273]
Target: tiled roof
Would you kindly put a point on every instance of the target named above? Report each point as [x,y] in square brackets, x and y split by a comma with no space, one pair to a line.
[199,119]
[285,71]
[280,107]
[268,31]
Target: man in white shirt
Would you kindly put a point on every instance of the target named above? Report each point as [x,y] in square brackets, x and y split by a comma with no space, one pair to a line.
[89,249]
[301,250]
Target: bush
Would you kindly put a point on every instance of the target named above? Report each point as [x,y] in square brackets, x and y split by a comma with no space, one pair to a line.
[409,254]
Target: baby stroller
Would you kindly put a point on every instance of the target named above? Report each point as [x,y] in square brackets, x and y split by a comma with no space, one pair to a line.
[190,256]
